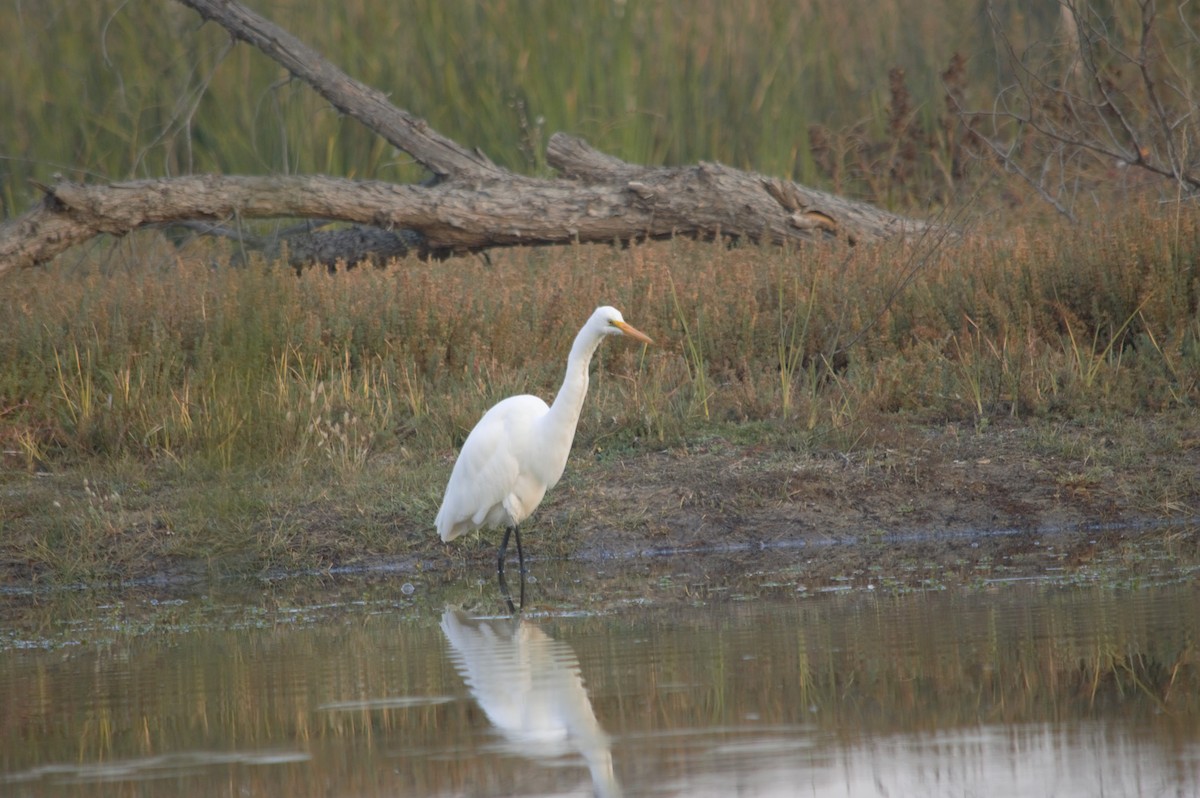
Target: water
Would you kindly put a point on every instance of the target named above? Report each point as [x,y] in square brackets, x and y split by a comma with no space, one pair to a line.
[692,686]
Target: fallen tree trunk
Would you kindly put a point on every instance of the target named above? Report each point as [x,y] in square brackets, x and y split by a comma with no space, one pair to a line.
[470,204]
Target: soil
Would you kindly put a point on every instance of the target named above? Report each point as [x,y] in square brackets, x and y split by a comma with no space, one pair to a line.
[920,504]
[916,504]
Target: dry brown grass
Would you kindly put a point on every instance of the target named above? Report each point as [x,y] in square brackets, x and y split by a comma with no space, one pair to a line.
[140,359]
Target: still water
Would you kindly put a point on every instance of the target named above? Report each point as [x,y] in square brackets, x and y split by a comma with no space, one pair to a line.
[388,686]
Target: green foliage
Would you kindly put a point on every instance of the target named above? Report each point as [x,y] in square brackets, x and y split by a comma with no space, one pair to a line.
[117,90]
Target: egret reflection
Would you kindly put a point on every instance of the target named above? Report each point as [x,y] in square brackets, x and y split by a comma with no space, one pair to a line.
[529,686]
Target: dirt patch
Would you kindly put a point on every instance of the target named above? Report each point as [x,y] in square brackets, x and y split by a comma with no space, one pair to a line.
[919,503]
[914,504]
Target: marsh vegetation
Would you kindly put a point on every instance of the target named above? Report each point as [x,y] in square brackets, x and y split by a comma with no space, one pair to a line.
[169,404]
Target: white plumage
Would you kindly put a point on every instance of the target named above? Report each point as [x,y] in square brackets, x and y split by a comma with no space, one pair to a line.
[519,449]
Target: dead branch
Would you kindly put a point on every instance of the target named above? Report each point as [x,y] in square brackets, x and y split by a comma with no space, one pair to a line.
[1087,124]
[470,205]
[370,106]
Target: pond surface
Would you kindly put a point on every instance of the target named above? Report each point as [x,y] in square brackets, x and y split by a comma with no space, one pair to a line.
[700,685]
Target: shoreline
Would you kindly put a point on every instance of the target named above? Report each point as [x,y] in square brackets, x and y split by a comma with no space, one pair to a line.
[920,502]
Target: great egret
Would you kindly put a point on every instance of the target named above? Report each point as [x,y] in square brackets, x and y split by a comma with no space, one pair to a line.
[519,449]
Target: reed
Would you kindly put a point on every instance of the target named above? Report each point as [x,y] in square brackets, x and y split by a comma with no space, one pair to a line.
[114,90]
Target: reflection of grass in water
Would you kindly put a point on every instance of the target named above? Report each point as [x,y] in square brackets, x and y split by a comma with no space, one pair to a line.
[200,677]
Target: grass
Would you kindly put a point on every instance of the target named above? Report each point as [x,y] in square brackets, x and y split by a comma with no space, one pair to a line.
[245,417]
[312,418]
[118,90]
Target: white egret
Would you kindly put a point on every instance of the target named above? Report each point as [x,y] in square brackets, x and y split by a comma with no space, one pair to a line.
[519,449]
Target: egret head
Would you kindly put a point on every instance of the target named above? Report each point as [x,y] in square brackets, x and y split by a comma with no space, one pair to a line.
[609,321]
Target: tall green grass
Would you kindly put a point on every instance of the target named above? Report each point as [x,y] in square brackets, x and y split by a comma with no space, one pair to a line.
[114,90]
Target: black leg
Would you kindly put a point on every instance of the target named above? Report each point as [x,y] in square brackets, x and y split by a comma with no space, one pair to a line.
[500,567]
[506,595]
[504,549]
[504,591]
[520,554]
[520,563]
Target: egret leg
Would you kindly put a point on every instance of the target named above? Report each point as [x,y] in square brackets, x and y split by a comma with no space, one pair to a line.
[500,566]
[520,563]
[520,554]
[504,550]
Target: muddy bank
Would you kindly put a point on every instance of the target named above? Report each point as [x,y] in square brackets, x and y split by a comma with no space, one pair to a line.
[920,504]
[914,504]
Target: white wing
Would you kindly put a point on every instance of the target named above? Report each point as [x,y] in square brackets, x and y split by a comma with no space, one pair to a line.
[490,484]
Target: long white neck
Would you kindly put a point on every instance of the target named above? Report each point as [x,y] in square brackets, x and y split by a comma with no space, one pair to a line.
[564,413]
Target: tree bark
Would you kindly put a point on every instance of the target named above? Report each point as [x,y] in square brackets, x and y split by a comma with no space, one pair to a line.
[470,205]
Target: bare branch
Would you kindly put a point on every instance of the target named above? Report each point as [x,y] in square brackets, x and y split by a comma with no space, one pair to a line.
[1090,111]
[475,205]
[437,153]
[706,201]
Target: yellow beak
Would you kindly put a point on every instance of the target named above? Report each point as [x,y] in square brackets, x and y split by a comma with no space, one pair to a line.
[633,332]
